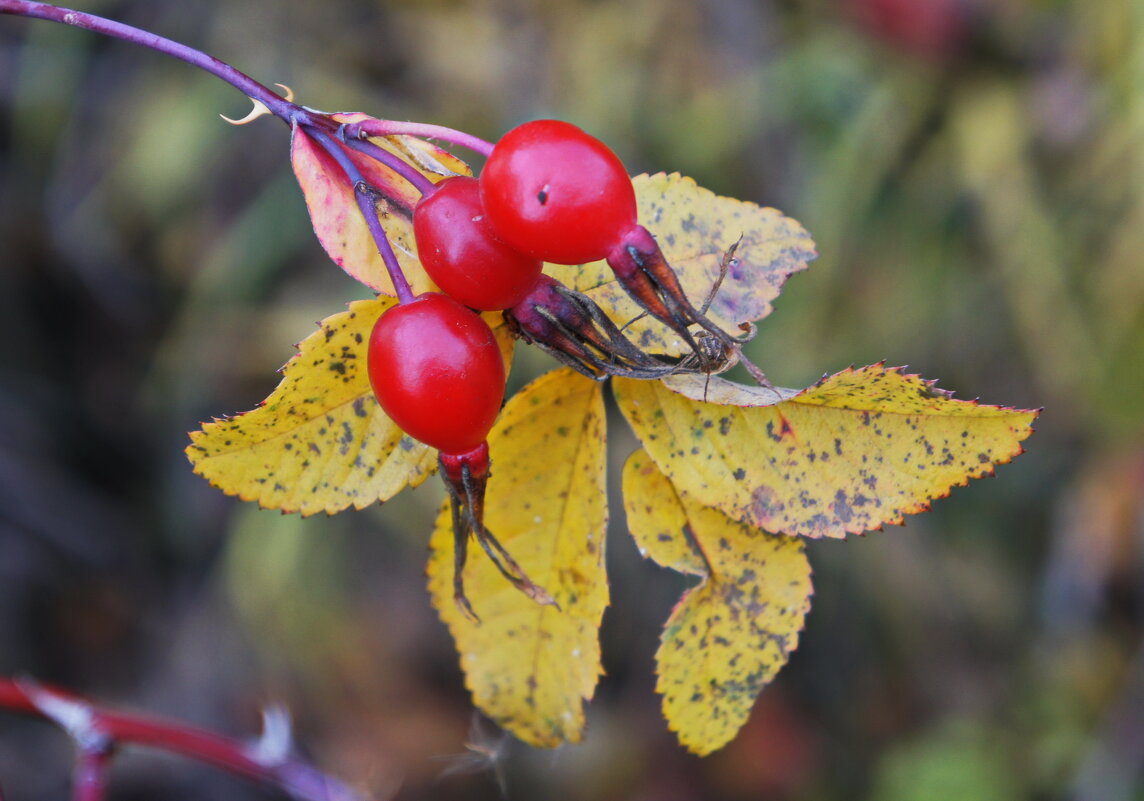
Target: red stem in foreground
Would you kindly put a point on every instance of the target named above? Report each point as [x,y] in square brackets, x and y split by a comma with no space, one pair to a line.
[99,732]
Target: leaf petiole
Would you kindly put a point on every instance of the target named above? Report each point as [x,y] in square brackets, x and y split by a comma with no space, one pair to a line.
[376,127]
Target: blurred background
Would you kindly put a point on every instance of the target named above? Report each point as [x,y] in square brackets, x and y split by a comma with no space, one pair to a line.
[973,173]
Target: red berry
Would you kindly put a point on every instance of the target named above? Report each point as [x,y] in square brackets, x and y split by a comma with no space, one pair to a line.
[463,256]
[437,371]
[556,193]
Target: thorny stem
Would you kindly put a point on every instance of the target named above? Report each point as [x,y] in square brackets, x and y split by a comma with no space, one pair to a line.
[367,202]
[98,732]
[289,112]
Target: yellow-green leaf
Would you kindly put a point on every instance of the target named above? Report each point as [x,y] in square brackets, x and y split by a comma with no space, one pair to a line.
[334,212]
[531,667]
[695,227]
[857,450]
[320,442]
[729,636]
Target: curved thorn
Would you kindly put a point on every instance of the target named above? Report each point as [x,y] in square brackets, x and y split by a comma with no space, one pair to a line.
[259,110]
[289,96]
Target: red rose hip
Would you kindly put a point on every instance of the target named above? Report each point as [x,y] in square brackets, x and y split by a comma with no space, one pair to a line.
[555,192]
[459,250]
[437,371]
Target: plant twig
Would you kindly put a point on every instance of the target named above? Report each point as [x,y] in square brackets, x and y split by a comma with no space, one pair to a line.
[279,106]
[99,733]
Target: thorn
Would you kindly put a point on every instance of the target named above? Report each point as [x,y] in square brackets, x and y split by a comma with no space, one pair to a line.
[289,95]
[483,752]
[75,717]
[274,745]
[259,110]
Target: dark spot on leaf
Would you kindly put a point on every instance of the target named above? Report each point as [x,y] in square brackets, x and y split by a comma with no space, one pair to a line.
[345,439]
[765,504]
[841,507]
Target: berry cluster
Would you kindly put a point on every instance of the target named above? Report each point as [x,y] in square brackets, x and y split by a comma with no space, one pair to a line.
[549,192]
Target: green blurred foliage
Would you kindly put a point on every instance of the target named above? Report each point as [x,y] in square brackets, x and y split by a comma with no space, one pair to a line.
[976,188]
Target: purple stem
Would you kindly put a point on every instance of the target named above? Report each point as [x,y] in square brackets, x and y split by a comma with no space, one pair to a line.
[289,112]
[372,127]
[395,163]
[368,206]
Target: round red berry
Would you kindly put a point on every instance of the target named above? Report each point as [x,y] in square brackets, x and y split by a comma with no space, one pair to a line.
[437,371]
[555,192]
[459,250]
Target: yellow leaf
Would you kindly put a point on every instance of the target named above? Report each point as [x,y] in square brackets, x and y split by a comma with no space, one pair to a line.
[320,442]
[729,636]
[334,212]
[531,667]
[857,450]
[695,227]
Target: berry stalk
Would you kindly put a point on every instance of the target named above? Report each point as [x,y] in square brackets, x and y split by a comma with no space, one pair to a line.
[398,165]
[367,203]
[375,127]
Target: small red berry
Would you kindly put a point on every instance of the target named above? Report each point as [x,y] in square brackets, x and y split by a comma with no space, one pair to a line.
[437,371]
[459,250]
[557,193]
